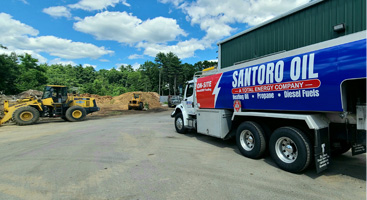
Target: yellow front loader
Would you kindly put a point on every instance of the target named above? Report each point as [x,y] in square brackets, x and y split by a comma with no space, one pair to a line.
[54,103]
[136,102]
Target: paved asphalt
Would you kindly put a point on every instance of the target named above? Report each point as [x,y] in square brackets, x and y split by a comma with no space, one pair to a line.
[140,156]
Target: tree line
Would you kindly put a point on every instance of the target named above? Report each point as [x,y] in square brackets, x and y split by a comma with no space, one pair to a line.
[167,73]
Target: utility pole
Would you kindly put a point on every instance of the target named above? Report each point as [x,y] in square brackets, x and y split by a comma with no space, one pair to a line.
[174,89]
[159,90]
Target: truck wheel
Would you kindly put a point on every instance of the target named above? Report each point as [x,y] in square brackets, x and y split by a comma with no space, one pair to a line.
[179,124]
[250,139]
[75,113]
[26,115]
[129,107]
[290,149]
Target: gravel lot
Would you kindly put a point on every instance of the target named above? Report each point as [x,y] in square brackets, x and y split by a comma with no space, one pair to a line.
[140,156]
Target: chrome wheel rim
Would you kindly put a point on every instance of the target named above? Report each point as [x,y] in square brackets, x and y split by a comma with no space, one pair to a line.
[286,150]
[247,140]
[179,123]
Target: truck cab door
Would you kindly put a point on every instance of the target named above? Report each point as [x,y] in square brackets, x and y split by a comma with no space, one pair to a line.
[188,101]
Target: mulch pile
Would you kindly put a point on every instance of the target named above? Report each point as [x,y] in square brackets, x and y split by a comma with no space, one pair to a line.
[118,103]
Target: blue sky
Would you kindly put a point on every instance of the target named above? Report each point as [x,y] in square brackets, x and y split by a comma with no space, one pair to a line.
[108,33]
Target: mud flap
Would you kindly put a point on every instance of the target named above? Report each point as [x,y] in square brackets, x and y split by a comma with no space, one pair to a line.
[322,149]
[359,145]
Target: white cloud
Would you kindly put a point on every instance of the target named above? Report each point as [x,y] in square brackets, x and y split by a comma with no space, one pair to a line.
[125,3]
[91,5]
[125,28]
[183,49]
[57,11]
[34,54]
[215,18]
[18,36]
[24,1]
[118,65]
[135,65]
[89,65]
[152,35]
[214,60]
[174,2]
[8,26]
[62,62]
[77,18]
[135,56]
[104,60]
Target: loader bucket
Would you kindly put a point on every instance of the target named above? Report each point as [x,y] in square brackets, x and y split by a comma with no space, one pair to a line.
[8,115]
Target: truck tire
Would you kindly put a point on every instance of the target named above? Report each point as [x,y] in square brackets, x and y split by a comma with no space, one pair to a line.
[290,149]
[250,139]
[26,115]
[75,113]
[129,107]
[179,124]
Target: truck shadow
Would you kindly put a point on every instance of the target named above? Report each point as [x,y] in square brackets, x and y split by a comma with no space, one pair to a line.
[345,165]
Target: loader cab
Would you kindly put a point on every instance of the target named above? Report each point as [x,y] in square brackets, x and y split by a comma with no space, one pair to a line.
[58,93]
[136,96]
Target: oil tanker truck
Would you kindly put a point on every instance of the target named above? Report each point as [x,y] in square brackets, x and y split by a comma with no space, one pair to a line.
[303,105]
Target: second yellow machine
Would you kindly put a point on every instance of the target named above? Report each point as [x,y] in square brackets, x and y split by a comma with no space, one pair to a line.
[55,102]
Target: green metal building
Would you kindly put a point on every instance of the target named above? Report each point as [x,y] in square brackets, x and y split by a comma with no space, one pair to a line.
[311,23]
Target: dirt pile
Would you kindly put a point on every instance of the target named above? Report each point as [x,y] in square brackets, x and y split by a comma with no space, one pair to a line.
[150,98]
[101,100]
[28,93]
[118,103]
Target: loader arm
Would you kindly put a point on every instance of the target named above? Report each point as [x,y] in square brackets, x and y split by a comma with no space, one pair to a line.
[9,110]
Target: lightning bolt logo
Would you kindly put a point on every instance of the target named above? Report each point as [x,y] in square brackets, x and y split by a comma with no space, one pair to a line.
[216,91]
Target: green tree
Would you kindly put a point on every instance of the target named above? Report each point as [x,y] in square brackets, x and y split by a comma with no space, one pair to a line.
[31,75]
[57,75]
[199,66]
[150,76]
[9,71]
[171,68]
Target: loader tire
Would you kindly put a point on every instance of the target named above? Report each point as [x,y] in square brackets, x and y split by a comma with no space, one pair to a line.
[26,115]
[75,113]
[141,106]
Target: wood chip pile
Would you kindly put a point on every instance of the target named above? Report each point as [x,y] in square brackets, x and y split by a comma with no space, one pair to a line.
[121,102]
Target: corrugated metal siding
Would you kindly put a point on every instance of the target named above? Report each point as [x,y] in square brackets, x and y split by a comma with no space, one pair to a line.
[309,26]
